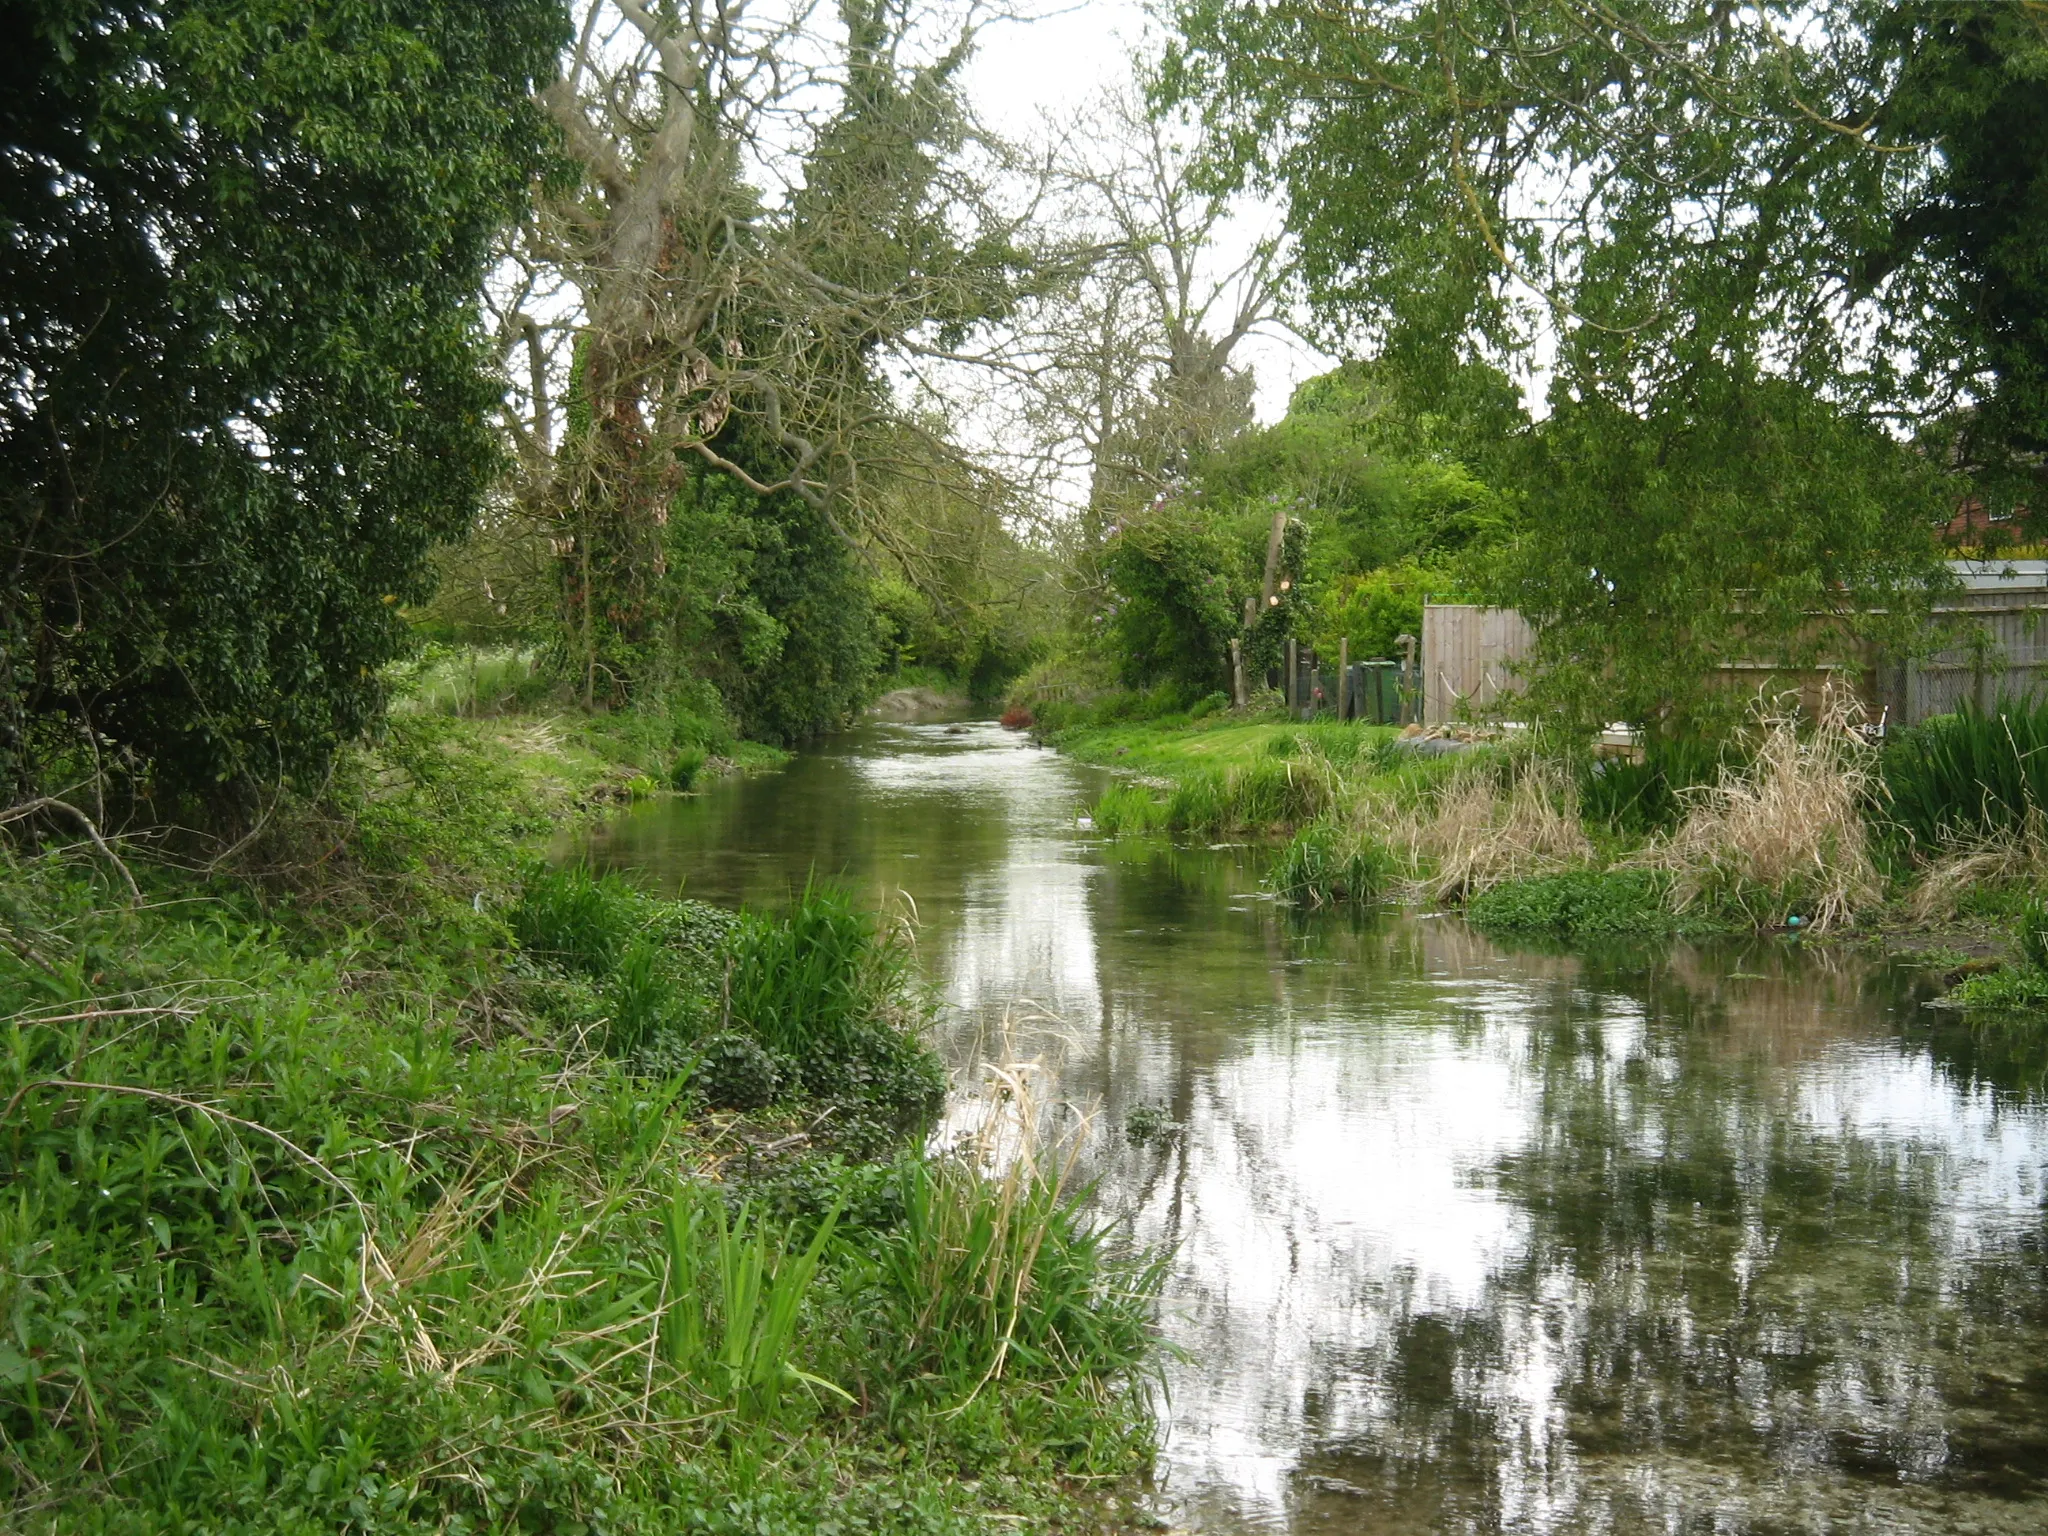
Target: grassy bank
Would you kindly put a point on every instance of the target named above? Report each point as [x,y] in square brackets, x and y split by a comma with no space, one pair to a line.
[1936,842]
[377,1179]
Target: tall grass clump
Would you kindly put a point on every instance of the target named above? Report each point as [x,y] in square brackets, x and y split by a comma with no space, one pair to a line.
[1785,835]
[827,990]
[1265,794]
[1128,808]
[1324,864]
[1969,776]
[1002,1304]
[1481,822]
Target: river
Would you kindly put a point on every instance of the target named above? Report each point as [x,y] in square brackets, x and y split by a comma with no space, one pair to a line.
[1467,1236]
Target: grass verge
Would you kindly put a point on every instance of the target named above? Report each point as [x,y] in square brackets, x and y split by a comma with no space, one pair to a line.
[394,1184]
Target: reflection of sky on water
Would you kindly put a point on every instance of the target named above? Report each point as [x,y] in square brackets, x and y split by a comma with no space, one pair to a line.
[1468,1240]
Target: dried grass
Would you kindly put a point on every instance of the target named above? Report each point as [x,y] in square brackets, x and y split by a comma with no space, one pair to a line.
[1787,832]
[1484,824]
[2006,856]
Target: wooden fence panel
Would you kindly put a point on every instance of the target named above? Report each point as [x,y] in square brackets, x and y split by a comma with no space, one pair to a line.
[1468,654]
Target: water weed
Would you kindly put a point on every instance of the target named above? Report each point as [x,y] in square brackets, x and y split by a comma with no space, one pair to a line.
[1128,808]
[1970,776]
[1579,904]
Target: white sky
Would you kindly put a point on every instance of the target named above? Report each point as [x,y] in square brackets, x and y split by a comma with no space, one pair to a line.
[1025,71]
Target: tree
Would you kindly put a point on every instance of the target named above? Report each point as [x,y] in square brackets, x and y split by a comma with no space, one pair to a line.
[241,244]
[760,213]
[1733,224]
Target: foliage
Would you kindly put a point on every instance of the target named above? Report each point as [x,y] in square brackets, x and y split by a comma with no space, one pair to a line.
[1967,775]
[1374,610]
[1581,904]
[1751,252]
[1321,866]
[2023,988]
[1637,796]
[1174,611]
[243,241]
[1713,527]
[296,1225]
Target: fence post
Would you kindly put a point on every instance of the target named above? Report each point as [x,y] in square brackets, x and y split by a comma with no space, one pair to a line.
[1293,672]
[1344,678]
[1237,673]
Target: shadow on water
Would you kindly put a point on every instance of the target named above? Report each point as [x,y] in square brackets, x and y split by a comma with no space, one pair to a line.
[1475,1238]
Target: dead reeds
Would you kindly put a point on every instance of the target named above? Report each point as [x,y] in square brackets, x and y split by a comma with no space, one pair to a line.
[1786,834]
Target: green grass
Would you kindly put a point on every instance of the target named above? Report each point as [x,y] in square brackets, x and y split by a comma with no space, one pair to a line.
[1323,866]
[358,1196]
[1258,794]
[1173,749]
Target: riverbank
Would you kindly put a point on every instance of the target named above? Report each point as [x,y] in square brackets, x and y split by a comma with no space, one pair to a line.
[1789,841]
[371,1176]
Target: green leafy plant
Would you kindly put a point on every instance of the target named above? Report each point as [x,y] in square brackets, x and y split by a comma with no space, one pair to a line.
[1322,865]
[1969,775]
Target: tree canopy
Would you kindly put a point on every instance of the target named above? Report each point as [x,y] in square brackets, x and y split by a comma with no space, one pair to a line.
[242,244]
[1727,232]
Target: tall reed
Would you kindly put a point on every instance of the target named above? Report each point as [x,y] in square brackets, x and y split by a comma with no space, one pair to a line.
[1967,776]
[1785,835]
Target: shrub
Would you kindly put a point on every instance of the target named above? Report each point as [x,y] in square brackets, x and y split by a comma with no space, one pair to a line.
[1017,718]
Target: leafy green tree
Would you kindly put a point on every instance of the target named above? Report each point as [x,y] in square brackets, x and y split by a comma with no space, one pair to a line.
[1174,609]
[241,243]
[1732,226]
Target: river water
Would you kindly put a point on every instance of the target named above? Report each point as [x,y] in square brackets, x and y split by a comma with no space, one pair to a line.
[1467,1236]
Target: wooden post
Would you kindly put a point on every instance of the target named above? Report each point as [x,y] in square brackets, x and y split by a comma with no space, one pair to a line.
[1237,698]
[1344,678]
[1293,684]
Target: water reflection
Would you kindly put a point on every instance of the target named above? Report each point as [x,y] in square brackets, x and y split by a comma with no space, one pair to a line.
[1470,1239]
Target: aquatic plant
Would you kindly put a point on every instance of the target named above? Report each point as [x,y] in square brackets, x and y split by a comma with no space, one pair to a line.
[1968,777]
[1578,904]
[1127,808]
[1324,863]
